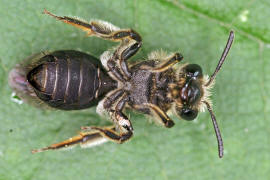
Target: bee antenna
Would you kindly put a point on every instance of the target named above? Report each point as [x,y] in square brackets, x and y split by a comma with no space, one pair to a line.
[222,58]
[218,134]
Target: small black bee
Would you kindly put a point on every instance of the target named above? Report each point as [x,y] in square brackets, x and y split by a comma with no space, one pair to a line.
[72,80]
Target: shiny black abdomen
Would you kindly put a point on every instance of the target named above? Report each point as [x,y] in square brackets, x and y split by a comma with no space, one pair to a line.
[69,80]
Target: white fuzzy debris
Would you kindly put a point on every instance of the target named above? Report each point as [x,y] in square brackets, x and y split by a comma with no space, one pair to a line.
[244,16]
[1,154]
[246,130]
[15,99]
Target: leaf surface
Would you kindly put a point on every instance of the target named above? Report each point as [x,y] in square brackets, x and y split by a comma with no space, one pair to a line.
[197,29]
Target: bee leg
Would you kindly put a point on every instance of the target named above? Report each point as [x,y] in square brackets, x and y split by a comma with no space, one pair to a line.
[121,121]
[99,28]
[112,134]
[162,117]
[123,52]
[131,41]
[125,128]
[111,99]
[168,63]
[84,139]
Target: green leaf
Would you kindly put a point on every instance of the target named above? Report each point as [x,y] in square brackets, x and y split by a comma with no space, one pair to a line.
[197,29]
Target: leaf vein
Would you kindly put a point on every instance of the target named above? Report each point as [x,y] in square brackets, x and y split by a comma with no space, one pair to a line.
[221,23]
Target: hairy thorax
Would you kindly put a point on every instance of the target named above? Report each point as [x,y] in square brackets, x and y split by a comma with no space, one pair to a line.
[148,87]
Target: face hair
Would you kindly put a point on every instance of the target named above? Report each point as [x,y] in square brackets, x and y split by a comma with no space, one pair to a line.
[219,138]
[222,58]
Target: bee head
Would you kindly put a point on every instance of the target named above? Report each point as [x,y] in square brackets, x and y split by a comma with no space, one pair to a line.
[191,91]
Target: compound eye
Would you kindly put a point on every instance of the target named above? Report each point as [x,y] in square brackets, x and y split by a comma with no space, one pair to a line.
[190,93]
[194,70]
[187,113]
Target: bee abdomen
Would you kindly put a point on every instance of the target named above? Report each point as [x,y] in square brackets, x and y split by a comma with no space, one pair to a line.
[66,80]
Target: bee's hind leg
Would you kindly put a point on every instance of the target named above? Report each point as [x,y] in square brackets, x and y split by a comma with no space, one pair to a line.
[85,139]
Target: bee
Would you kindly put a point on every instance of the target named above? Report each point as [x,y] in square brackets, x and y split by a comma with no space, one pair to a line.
[73,80]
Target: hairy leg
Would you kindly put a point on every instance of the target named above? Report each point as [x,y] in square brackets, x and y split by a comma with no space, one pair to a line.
[130,41]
